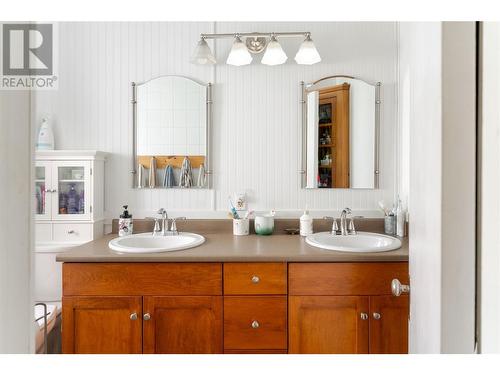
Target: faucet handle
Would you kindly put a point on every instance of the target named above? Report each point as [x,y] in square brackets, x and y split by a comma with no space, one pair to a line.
[347,210]
[156,228]
[335,226]
[173,227]
[352,228]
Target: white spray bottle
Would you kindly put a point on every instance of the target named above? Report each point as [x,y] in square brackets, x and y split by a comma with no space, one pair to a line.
[45,136]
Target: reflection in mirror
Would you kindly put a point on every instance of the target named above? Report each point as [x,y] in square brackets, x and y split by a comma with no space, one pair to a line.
[340,133]
[171,123]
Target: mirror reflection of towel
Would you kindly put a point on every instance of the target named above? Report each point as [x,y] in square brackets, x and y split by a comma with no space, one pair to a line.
[152,173]
[169,178]
[201,175]
[185,179]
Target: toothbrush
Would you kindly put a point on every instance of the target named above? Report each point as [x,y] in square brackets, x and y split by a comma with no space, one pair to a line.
[383,208]
[233,210]
[248,214]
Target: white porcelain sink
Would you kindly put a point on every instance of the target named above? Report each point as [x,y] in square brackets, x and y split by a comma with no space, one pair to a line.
[147,243]
[362,242]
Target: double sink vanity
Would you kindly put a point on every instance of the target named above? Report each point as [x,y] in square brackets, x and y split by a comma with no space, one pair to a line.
[220,293]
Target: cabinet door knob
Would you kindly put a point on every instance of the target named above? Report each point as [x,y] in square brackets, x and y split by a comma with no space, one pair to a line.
[376,316]
[364,316]
[397,288]
[146,316]
[255,324]
[71,231]
[255,279]
[133,316]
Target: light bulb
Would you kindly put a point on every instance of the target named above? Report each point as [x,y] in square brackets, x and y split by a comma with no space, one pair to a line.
[239,54]
[274,54]
[307,53]
[202,54]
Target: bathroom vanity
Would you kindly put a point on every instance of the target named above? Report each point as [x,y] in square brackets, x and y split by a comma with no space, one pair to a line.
[252,294]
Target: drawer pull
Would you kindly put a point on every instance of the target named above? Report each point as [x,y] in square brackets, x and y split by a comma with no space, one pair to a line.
[71,231]
[376,316]
[146,316]
[255,324]
[255,279]
[133,316]
[364,316]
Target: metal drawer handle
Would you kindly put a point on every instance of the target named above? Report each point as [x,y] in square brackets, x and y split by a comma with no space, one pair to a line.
[255,279]
[255,324]
[71,231]
[364,316]
[376,316]
[133,316]
[146,316]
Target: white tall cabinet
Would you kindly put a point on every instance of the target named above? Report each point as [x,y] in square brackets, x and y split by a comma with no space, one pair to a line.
[69,211]
[69,196]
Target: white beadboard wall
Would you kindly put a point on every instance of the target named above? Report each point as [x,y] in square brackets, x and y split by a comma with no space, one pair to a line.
[256,131]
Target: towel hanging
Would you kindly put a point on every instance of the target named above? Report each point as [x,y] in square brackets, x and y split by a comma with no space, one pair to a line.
[152,173]
[185,179]
[169,178]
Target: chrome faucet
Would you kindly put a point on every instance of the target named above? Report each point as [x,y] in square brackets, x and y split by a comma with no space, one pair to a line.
[343,221]
[165,231]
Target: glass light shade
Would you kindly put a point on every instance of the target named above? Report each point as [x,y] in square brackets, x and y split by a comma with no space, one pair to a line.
[202,54]
[307,53]
[239,54]
[274,54]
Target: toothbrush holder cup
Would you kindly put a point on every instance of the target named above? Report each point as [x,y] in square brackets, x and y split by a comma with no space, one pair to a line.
[241,227]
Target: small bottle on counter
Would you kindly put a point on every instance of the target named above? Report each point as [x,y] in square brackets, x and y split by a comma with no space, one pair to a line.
[125,224]
[306,224]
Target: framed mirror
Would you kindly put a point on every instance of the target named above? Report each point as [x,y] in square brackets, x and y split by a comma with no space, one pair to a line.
[172,116]
[340,133]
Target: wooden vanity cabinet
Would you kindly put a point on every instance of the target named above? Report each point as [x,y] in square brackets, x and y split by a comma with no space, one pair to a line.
[346,308]
[233,308]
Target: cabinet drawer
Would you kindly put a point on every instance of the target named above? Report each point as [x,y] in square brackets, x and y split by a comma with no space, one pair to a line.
[255,322]
[73,232]
[343,279]
[43,232]
[142,279]
[254,278]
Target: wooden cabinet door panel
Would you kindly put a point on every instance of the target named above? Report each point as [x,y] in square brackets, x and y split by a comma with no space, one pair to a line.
[102,325]
[183,325]
[328,324]
[389,325]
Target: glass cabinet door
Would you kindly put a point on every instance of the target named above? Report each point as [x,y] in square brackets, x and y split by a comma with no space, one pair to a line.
[43,190]
[72,180]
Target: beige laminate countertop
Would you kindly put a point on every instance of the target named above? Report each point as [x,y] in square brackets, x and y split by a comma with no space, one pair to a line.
[224,247]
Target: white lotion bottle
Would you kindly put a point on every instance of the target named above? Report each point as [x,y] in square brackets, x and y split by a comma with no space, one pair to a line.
[45,136]
[306,224]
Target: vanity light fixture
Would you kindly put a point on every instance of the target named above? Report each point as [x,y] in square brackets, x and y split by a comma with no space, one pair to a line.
[274,54]
[307,53]
[203,54]
[245,44]
[239,54]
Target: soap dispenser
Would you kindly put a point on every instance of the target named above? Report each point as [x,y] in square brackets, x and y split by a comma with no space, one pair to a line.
[125,224]
[306,224]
